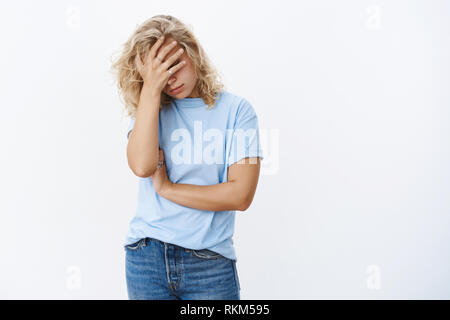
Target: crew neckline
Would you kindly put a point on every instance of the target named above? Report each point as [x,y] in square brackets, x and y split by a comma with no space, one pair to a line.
[193,102]
[189,102]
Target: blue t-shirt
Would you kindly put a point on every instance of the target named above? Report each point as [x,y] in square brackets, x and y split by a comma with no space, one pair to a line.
[199,145]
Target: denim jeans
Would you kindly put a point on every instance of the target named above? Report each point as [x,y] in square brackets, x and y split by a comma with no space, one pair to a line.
[156,270]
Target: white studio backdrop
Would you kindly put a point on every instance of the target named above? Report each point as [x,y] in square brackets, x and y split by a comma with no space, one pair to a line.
[353,105]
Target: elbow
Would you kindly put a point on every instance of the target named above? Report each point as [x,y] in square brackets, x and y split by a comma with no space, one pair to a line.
[143,171]
[242,207]
[244,203]
[142,166]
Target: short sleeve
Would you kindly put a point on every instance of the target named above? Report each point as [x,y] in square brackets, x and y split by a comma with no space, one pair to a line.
[245,137]
[130,127]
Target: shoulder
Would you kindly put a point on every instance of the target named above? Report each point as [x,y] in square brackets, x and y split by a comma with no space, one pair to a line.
[237,103]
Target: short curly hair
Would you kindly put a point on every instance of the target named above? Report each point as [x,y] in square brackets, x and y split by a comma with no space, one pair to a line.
[130,82]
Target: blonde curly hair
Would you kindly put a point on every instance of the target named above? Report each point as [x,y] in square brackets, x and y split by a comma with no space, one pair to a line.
[130,82]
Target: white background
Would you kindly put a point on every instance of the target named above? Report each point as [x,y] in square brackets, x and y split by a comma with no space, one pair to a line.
[353,200]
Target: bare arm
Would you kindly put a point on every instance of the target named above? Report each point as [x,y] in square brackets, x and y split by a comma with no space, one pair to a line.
[143,142]
[236,194]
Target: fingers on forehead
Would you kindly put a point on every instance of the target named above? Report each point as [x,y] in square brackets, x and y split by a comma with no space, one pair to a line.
[167,42]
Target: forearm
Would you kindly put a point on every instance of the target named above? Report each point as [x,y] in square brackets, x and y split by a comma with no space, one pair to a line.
[217,197]
[143,144]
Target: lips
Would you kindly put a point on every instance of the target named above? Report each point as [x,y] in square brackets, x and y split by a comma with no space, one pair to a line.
[176,88]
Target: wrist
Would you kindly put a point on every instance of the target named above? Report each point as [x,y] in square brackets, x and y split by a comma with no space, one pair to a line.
[149,91]
[168,186]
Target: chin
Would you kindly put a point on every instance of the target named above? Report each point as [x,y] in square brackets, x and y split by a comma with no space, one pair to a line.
[178,96]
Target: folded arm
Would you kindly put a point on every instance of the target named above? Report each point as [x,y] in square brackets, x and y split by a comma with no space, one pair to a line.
[236,194]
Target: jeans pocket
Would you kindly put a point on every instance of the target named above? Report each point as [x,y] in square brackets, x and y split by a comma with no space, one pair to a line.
[136,246]
[206,254]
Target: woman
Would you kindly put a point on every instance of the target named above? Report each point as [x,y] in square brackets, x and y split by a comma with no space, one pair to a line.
[195,148]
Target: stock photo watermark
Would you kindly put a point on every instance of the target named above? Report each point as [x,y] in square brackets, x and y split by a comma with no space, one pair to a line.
[208,146]
[373,281]
[73,20]
[73,279]
[373,18]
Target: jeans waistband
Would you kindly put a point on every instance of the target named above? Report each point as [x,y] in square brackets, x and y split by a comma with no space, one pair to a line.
[147,239]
